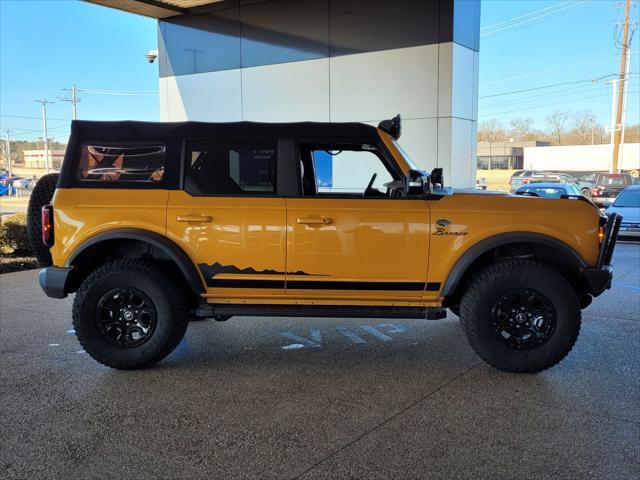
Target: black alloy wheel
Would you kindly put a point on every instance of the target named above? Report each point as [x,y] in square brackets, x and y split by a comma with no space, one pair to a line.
[126,317]
[523,319]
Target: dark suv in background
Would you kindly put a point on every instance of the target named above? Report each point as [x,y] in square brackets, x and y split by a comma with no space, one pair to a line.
[607,186]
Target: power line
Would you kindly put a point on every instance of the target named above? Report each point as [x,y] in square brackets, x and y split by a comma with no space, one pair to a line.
[116,92]
[526,15]
[547,70]
[574,82]
[531,20]
[34,118]
[542,106]
[546,96]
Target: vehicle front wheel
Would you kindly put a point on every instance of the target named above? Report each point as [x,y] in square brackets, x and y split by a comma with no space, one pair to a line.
[586,192]
[520,316]
[130,314]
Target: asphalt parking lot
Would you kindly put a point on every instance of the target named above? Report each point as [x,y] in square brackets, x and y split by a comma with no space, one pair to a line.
[318,398]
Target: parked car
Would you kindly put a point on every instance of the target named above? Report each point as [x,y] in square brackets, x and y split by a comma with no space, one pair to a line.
[627,204]
[548,190]
[520,177]
[607,187]
[155,223]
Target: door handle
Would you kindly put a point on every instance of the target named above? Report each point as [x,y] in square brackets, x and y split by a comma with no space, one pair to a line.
[195,218]
[314,220]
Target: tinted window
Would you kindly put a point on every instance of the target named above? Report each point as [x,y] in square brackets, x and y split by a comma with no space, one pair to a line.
[628,198]
[282,31]
[231,167]
[547,192]
[614,180]
[196,43]
[122,163]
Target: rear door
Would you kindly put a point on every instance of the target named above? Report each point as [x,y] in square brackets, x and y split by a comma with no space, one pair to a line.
[228,217]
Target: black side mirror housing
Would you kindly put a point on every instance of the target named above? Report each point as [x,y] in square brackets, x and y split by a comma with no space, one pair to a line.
[392,126]
[437,178]
[417,183]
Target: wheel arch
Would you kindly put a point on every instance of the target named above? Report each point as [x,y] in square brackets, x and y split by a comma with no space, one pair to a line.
[525,244]
[100,244]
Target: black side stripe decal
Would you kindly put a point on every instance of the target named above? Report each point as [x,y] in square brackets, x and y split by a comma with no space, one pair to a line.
[233,283]
[323,285]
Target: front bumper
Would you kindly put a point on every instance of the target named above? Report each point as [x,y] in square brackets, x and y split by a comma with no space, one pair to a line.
[599,278]
[603,201]
[629,229]
[53,281]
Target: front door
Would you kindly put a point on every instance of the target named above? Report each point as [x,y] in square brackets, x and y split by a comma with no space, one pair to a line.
[347,241]
[229,219]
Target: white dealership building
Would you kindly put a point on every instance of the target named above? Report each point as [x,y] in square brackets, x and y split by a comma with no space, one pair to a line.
[327,61]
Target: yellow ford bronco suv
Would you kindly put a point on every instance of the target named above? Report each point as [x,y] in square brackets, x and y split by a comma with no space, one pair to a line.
[153,224]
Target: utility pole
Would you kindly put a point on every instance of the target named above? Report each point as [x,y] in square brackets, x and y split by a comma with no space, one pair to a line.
[8,151]
[44,127]
[621,88]
[73,100]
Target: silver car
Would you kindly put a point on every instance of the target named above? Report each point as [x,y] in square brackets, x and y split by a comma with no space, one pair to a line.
[628,205]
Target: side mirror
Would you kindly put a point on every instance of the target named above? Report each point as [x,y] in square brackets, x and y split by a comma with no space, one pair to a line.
[416,183]
[437,178]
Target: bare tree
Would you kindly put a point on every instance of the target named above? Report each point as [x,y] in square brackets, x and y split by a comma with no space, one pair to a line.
[556,122]
[584,127]
[491,131]
[522,128]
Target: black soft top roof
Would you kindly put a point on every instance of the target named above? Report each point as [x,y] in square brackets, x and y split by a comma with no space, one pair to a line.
[133,130]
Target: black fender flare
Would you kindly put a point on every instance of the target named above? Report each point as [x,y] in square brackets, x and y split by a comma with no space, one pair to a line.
[173,251]
[488,244]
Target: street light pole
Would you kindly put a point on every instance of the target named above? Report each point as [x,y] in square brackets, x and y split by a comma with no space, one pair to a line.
[44,127]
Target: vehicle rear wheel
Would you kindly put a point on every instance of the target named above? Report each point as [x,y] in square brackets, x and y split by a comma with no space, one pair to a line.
[586,192]
[130,314]
[40,196]
[520,316]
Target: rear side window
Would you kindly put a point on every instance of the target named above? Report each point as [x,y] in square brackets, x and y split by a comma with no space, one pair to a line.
[231,167]
[122,163]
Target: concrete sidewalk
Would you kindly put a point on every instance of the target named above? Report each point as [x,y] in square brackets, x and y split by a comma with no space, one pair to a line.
[304,398]
[13,205]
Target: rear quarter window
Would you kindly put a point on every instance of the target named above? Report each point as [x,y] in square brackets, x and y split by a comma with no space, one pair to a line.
[126,162]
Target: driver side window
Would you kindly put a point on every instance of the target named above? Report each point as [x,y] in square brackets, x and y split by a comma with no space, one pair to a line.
[343,170]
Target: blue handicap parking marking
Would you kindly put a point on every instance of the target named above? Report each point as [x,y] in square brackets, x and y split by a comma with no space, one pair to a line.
[314,339]
[350,335]
[381,332]
[393,328]
[376,333]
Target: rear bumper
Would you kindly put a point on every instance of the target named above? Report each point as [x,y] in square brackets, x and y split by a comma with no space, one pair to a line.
[53,281]
[598,279]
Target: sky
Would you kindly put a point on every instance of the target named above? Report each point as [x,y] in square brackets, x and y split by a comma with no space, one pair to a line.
[48,45]
[533,44]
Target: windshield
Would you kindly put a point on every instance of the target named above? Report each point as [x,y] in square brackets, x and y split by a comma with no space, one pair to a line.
[546,192]
[405,155]
[628,198]
[614,180]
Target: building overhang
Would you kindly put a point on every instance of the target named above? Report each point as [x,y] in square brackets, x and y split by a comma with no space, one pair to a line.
[155,8]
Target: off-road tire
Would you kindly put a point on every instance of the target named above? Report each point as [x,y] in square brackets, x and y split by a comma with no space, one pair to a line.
[495,281]
[40,196]
[168,297]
